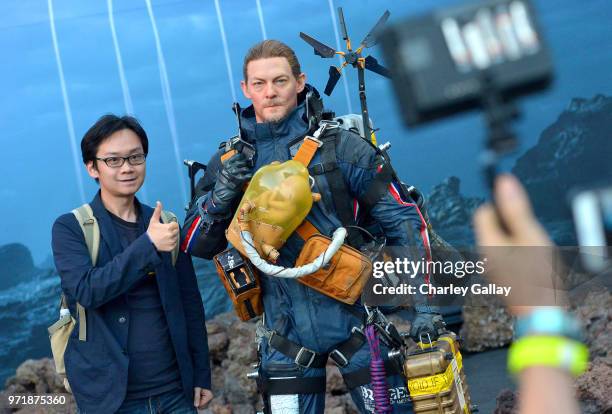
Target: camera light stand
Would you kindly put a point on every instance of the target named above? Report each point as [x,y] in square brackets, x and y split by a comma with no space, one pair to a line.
[500,139]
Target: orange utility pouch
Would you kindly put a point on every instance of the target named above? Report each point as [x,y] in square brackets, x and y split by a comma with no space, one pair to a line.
[343,278]
[241,282]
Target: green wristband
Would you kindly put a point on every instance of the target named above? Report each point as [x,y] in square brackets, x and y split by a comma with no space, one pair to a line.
[548,351]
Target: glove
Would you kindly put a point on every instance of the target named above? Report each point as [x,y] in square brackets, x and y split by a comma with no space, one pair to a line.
[231,179]
[427,323]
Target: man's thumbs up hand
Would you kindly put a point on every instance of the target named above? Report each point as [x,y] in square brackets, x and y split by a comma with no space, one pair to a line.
[163,236]
[156,213]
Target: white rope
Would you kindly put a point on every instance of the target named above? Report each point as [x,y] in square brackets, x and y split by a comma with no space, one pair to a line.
[67,110]
[125,90]
[262,25]
[228,62]
[167,95]
[127,99]
[295,272]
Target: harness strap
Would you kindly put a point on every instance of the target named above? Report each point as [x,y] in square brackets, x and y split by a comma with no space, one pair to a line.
[301,355]
[307,151]
[362,376]
[377,188]
[337,186]
[227,155]
[304,385]
[310,144]
[322,168]
[343,352]
[304,155]
[306,230]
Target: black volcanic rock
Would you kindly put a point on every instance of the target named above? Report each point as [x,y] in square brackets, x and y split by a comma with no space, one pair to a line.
[451,213]
[447,207]
[575,151]
[16,265]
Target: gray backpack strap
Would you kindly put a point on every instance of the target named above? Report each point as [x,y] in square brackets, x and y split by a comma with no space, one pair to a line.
[169,217]
[64,319]
[91,231]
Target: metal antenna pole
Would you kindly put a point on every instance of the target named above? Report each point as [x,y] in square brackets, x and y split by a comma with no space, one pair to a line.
[500,139]
[367,131]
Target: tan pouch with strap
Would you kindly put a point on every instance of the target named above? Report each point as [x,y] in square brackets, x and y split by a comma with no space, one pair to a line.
[59,333]
[345,275]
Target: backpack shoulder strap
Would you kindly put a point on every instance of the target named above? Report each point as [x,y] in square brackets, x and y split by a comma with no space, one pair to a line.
[169,217]
[339,191]
[310,144]
[91,231]
[307,150]
[328,136]
[377,187]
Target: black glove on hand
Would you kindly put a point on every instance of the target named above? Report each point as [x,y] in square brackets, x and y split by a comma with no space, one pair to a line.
[426,323]
[235,172]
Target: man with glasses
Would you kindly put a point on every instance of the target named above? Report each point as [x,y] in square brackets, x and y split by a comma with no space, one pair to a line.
[145,348]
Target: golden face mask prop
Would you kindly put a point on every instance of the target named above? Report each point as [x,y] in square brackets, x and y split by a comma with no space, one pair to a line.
[274,204]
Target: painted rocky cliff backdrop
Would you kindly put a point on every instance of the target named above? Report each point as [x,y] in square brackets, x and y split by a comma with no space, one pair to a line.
[574,151]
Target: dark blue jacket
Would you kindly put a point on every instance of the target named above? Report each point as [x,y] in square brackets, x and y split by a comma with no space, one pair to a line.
[97,369]
[292,309]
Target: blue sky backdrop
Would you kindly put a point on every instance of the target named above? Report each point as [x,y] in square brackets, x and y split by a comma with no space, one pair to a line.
[38,168]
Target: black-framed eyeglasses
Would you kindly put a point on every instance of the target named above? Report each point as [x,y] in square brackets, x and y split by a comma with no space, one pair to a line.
[116,162]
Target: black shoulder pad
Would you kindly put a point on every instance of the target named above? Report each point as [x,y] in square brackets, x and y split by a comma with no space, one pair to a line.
[355,149]
[377,188]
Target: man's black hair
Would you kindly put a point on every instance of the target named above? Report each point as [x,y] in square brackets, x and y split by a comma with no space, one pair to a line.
[106,126]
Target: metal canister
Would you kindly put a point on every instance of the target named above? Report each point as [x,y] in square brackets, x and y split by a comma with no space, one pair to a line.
[436,380]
